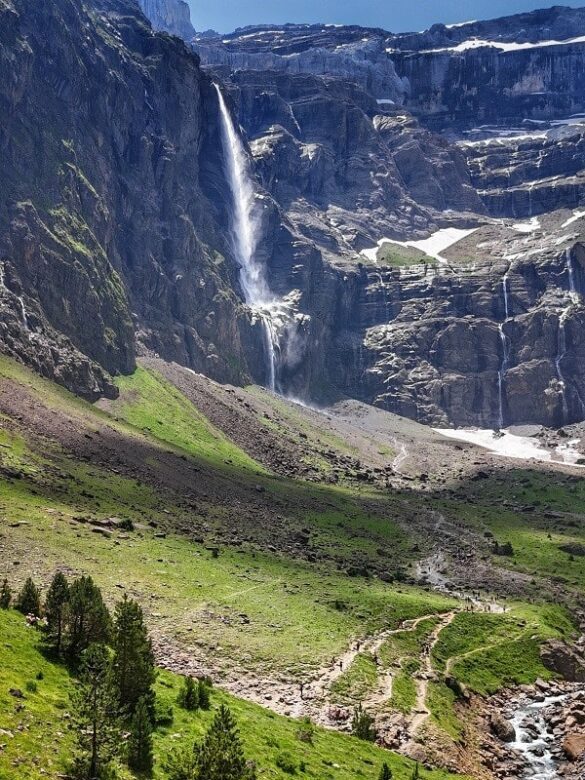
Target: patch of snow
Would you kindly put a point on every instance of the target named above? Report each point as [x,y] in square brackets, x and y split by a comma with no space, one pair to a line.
[505,138]
[432,246]
[509,445]
[527,227]
[478,43]
[576,216]
[460,24]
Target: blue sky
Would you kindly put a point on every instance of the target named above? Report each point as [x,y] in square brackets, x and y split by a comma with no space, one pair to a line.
[394,15]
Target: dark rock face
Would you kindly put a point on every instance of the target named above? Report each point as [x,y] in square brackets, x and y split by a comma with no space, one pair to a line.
[113,210]
[564,661]
[528,68]
[114,221]
[345,171]
[531,172]
[318,51]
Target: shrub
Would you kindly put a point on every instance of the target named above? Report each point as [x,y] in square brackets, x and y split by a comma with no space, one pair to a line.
[188,697]
[306,731]
[163,713]
[285,762]
[362,725]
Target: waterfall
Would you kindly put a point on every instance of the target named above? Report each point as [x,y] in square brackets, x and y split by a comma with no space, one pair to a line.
[244,235]
[502,371]
[506,298]
[561,352]
[571,272]
[505,350]
[19,298]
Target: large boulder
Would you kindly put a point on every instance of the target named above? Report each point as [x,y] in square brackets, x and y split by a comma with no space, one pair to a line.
[502,728]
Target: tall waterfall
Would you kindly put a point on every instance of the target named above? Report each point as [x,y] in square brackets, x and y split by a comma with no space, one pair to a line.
[561,352]
[505,350]
[244,234]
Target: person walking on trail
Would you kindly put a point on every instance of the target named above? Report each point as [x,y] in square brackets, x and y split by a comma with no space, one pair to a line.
[341,666]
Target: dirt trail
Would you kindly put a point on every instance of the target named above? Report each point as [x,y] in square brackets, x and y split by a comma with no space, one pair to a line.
[421,711]
[315,699]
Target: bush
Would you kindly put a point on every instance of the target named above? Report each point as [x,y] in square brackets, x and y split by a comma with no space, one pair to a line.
[188,697]
[31,686]
[306,731]
[285,762]
[126,524]
[362,725]
[203,690]
[163,713]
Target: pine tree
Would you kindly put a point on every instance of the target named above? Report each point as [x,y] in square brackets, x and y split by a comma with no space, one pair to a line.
[189,694]
[56,611]
[385,772]
[203,694]
[133,665]
[362,725]
[29,599]
[95,716]
[140,742]
[5,595]
[181,764]
[221,757]
[88,621]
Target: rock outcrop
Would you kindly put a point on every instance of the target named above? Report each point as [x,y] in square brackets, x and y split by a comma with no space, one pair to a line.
[112,221]
[115,224]
[173,16]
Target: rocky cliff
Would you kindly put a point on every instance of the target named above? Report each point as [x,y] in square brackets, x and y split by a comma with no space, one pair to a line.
[112,221]
[173,16]
[440,276]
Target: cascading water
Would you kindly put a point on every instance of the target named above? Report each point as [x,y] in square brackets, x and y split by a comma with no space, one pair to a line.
[534,740]
[505,350]
[4,289]
[561,352]
[571,272]
[244,234]
[562,337]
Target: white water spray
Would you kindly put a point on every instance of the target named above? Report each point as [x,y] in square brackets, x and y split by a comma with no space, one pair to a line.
[244,229]
[505,350]
[561,352]
[571,272]
[19,298]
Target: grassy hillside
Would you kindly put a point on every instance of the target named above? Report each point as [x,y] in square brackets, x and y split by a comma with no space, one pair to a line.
[257,574]
[36,739]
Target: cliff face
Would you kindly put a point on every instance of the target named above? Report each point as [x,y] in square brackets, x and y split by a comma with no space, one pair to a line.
[114,225]
[504,71]
[112,220]
[173,16]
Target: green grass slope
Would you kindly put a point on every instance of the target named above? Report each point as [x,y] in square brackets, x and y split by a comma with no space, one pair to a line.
[35,738]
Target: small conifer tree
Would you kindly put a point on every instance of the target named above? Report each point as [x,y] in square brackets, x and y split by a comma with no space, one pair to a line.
[203,694]
[56,612]
[385,772]
[95,719]
[88,621]
[362,725]
[5,595]
[29,599]
[221,756]
[189,694]
[140,741]
[133,663]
